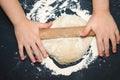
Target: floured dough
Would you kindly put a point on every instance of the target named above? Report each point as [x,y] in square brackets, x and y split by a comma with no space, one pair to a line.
[67,50]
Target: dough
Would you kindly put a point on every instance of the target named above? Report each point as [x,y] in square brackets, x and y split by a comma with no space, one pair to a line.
[67,50]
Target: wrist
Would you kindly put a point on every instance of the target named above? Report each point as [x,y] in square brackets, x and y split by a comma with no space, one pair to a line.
[104,11]
[100,6]
[20,22]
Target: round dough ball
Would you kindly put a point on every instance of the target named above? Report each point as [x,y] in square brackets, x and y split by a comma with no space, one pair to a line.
[67,50]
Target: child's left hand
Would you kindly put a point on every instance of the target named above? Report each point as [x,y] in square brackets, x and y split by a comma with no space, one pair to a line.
[106,30]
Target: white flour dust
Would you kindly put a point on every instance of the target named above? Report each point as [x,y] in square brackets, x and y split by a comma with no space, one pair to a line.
[67,71]
[43,11]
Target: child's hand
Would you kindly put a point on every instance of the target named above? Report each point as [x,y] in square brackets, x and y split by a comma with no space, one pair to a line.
[105,29]
[27,34]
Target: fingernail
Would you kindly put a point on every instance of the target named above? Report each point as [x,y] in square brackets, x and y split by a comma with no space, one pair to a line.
[33,61]
[114,51]
[81,34]
[22,58]
[40,61]
[101,54]
[118,42]
[107,55]
[45,56]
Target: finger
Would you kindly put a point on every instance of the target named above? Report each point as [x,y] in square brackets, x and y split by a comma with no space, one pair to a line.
[85,32]
[20,47]
[42,49]
[100,45]
[113,41]
[30,54]
[117,36]
[36,52]
[45,25]
[106,46]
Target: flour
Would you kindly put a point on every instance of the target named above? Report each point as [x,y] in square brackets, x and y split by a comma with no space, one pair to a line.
[43,11]
[68,70]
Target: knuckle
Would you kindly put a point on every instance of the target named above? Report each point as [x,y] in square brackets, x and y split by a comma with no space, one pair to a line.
[106,46]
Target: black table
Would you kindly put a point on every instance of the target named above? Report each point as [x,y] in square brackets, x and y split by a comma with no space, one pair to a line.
[12,68]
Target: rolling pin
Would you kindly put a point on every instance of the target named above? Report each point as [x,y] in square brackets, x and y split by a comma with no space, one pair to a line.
[63,32]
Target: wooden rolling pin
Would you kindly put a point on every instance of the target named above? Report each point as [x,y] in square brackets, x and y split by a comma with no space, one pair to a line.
[63,32]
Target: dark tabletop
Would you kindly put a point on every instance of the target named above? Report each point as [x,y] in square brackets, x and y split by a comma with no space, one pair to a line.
[12,68]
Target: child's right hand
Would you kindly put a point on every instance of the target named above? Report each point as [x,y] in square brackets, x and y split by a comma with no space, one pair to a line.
[27,34]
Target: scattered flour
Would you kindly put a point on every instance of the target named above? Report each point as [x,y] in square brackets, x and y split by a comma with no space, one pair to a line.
[68,70]
[41,12]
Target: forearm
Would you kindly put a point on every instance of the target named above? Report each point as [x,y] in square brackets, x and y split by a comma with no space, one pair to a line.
[13,10]
[100,6]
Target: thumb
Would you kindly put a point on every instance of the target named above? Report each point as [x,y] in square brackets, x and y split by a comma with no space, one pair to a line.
[85,32]
[45,25]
